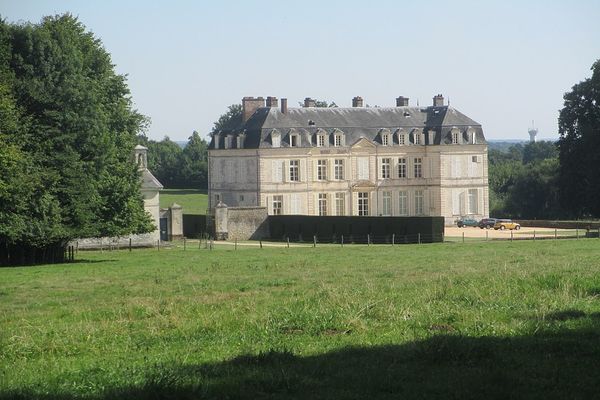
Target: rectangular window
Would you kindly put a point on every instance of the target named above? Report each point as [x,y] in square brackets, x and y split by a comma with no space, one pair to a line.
[294,170]
[472,201]
[401,139]
[385,168]
[454,137]
[417,138]
[322,170]
[322,203]
[419,200]
[387,203]
[337,140]
[403,203]
[277,170]
[276,140]
[340,203]
[321,141]
[402,168]
[385,140]
[418,166]
[363,169]
[277,205]
[294,140]
[294,203]
[363,203]
[338,170]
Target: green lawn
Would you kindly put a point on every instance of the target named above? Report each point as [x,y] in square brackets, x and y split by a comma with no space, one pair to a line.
[193,201]
[479,320]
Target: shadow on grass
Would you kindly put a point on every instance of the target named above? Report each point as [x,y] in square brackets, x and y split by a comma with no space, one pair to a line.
[554,364]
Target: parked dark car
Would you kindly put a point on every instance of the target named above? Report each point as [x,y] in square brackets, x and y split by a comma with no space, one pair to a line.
[487,223]
[465,221]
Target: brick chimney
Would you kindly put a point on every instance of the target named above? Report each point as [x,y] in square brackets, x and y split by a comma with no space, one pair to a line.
[357,101]
[250,105]
[438,100]
[272,101]
[401,101]
[308,102]
[284,106]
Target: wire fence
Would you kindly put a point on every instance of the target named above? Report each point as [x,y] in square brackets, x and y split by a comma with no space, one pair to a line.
[207,242]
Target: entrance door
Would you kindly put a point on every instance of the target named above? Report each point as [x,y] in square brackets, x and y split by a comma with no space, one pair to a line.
[164,234]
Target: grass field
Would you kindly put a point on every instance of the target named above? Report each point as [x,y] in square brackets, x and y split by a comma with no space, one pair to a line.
[193,201]
[481,320]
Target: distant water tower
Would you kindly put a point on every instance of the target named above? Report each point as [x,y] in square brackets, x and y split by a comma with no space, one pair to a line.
[532,133]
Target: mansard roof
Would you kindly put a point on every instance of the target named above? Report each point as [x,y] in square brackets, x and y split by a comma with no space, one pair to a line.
[354,122]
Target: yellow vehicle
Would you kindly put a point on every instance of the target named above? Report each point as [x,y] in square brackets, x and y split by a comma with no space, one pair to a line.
[503,224]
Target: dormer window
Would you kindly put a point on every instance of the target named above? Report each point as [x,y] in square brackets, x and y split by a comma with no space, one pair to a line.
[338,138]
[240,140]
[472,135]
[321,138]
[275,138]
[418,136]
[386,137]
[294,138]
[228,141]
[402,139]
[455,136]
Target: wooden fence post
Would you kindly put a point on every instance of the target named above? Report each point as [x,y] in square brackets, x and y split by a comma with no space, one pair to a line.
[288,242]
[463,236]
[260,242]
[343,240]
[486,235]
[555,234]
[534,234]
[184,245]
[129,244]
[419,237]
[314,240]
[368,239]
[511,235]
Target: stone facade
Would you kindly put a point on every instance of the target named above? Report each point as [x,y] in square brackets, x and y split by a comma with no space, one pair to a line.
[402,161]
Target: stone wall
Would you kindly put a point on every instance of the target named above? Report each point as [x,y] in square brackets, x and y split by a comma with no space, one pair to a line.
[241,223]
[144,240]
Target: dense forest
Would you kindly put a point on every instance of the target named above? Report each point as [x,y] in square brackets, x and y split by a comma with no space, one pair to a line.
[523,181]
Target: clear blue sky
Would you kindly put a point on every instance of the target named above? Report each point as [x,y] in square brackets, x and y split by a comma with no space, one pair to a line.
[503,63]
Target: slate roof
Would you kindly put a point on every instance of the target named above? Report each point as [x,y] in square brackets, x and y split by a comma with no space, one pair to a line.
[354,122]
[149,181]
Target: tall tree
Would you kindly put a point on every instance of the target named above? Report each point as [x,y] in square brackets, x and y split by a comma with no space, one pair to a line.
[579,147]
[230,120]
[164,160]
[194,165]
[76,136]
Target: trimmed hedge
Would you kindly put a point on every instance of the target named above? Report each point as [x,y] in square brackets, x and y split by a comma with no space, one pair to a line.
[356,229]
[194,225]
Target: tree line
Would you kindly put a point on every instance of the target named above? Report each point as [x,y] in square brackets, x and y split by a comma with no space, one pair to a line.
[177,167]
